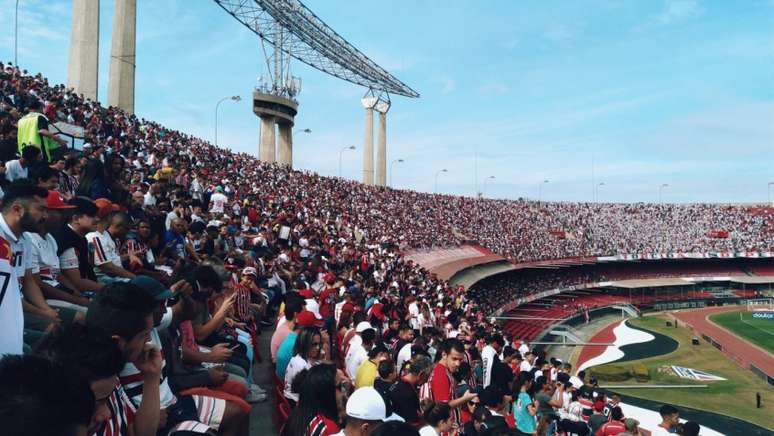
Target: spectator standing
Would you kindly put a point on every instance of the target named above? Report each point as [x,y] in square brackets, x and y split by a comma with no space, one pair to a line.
[33,130]
[442,383]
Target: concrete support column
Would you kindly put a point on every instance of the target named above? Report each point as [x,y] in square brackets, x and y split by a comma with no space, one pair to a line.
[267,139]
[122,55]
[381,150]
[83,65]
[368,143]
[285,144]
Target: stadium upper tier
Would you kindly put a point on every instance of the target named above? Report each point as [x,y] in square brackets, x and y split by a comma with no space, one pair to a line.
[519,230]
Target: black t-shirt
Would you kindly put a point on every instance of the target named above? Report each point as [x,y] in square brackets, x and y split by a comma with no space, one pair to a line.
[405,401]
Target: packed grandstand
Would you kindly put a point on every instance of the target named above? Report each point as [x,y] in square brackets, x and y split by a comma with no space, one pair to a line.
[337,244]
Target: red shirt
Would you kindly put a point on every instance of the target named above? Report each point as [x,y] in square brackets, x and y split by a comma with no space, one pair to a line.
[611,428]
[327,300]
[321,425]
[442,385]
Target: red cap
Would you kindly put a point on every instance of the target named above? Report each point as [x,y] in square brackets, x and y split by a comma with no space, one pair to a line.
[105,207]
[599,406]
[55,201]
[329,277]
[348,307]
[306,318]
[306,293]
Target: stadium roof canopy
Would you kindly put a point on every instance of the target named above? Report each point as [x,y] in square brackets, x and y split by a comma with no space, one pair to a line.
[685,281]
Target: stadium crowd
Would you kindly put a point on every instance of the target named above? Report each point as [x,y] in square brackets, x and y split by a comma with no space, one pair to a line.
[138,273]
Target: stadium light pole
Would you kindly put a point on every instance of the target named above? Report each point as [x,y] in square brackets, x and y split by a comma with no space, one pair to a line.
[661,188]
[16,35]
[435,188]
[769,191]
[232,98]
[392,166]
[540,189]
[596,191]
[341,154]
[483,188]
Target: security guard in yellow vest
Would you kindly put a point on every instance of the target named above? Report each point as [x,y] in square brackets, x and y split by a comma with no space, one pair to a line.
[32,129]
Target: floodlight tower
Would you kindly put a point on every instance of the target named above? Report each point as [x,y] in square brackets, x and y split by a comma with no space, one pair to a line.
[288,29]
[274,101]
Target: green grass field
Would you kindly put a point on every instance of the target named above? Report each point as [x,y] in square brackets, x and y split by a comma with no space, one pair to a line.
[734,396]
[758,331]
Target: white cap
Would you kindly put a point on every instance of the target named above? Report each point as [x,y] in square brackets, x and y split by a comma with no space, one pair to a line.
[363,326]
[366,404]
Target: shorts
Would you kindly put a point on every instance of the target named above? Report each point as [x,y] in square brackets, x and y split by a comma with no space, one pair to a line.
[195,414]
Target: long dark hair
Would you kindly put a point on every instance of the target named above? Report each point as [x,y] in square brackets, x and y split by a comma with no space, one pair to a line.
[304,342]
[93,174]
[317,397]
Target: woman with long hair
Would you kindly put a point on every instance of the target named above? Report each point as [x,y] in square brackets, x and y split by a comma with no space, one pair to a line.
[306,353]
[524,408]
[322,395]
[93,184]
[439,419]
[114,178]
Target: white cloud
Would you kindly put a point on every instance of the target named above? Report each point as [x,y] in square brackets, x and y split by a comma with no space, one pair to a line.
[678,10]
[448,85]
[673,12]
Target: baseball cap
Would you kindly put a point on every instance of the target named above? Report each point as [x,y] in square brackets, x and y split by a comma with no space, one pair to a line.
[306,318]
[105,207]
[152,287]
[363,326]
[367,404]
[306,293]
[250,271]
[55,201]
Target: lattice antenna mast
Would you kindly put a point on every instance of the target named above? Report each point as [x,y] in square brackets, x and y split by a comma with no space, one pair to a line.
[297,32]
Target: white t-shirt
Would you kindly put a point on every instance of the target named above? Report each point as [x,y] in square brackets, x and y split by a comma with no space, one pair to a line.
[660,431]
[427,431]
[128,374]
[404,355]
[296,365]
[14,170]
[103,248]
[42,257]
[525,366]
[218,202]
[414,312]
[356,355]
[148,199]
[12,267]
[487,359]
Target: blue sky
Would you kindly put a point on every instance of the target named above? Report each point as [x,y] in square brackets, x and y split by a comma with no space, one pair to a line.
[677,92]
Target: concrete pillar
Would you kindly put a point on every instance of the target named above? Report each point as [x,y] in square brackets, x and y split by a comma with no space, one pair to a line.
[122,55]
[267,139]
[83,65]
[381,152]
[285,144]
[368,143]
